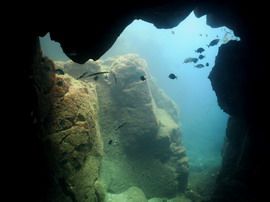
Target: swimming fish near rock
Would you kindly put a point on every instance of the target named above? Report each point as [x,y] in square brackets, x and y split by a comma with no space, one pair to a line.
[199,66]
[213,42]
[84,75]
[59,71]
[96,77]
[207,64]
[172,76]
[199,50]
[97,73]
[142,78]
[188,60]
[201,57]
[121,125]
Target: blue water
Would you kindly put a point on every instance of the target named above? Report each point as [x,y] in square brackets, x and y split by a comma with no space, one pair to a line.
[202,122]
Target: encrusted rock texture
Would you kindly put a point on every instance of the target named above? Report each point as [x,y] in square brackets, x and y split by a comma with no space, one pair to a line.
[111,131]
[70,135]
[141,132]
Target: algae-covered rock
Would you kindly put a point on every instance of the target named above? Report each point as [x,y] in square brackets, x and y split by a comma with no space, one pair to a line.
[73,141]
[133,194]
[139,153]
[138,124]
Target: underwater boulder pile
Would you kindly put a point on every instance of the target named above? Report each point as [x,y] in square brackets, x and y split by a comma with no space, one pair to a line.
[137,122]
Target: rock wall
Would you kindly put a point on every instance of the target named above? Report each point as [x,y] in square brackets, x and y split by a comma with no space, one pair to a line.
[133,118]
[146,151]
[68,118]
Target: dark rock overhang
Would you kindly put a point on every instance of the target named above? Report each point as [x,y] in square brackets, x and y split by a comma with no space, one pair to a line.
[93,30]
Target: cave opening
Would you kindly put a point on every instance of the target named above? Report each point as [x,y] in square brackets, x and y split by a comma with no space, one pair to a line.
[201,123]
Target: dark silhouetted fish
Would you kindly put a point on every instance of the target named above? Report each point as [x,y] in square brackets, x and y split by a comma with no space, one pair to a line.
[188,60]
[121,125]
[201,57]
[96,77]
[213,42]
[97,73]
[172,76]
[207,64]
[199,50]
[142,78]
[59,71]
[82,75]
[110,142]
[199,66]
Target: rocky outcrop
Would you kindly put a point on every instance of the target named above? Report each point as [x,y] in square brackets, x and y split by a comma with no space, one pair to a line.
[237,163]
[142,139]
[133,194]
[139,127]
[146,151]
[68,118]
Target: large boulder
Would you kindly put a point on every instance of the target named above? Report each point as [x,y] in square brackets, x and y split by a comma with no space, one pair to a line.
[138,124]
[140,130]
[72,140]
[133,194]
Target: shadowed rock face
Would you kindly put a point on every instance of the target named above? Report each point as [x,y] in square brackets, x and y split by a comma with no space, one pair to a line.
[151,139]
[147,150]
[69,134]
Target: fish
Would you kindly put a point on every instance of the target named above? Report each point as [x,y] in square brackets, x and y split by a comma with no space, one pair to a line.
[207,64]
[188,60]
[172,76]
[213,42]
[200,34]
[97,73]
[201,57]
[59,71]
[199,66]
[82,75]
[172,32]
[110,142]
[120,126]
[96,77]
[199,50]
[142,78]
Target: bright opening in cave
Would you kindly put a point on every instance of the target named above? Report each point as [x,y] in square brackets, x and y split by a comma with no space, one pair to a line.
[165,50]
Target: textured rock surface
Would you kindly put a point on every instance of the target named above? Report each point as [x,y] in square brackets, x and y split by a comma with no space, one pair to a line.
[146,151]
[72,140]
[133,194]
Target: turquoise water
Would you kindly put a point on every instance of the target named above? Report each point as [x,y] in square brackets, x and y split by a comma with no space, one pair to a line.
[203,122]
